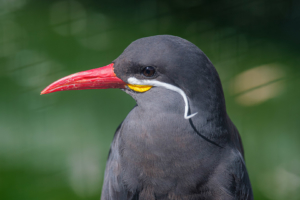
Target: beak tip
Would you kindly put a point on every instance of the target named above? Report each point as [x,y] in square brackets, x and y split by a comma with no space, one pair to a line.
[44,91]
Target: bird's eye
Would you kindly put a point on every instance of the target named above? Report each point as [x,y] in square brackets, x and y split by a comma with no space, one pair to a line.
[148,71]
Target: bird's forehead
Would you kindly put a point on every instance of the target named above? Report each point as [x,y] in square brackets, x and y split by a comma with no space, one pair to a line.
[147,48]
[147,51]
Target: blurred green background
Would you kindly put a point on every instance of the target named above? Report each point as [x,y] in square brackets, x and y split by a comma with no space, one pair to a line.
[55,146]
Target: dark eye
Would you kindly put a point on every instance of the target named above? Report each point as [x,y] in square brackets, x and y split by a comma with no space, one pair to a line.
[148,71]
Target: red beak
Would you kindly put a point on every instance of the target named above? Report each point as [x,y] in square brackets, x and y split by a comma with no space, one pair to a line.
[100,78]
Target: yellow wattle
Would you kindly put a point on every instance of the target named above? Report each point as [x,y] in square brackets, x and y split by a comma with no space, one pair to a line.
[139,88]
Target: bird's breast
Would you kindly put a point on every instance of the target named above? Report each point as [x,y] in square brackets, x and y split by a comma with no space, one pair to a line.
[161,152]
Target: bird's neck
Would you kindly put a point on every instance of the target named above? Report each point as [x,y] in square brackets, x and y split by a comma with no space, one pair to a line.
[165,106]
[211,120]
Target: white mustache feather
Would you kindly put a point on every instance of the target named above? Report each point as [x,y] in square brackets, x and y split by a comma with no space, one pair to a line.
[135,81]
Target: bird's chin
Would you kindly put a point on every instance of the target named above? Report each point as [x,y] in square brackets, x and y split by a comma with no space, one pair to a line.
[132,93]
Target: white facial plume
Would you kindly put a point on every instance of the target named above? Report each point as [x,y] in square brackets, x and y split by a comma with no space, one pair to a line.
[155,83]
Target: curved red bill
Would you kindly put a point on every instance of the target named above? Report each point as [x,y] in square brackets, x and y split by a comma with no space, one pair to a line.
[100,78]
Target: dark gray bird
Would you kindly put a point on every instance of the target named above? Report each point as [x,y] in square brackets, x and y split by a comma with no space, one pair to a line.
[178,141]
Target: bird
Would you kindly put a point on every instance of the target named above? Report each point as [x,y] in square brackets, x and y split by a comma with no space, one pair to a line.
[178,141]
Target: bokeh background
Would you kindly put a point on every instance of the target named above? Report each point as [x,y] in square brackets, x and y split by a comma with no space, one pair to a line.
[55,146]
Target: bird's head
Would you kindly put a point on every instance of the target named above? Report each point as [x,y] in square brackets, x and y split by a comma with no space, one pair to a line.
[165,62]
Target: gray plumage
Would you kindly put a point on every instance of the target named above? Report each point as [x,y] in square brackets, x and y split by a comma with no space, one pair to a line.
[156,153]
